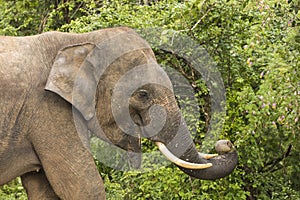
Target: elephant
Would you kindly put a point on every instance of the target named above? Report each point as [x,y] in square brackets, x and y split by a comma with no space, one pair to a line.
[60,89]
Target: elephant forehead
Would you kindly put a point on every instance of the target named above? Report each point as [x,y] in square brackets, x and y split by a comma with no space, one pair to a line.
[150,73]
[108,51]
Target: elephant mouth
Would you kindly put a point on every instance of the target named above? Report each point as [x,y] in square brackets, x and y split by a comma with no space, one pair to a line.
[187,165]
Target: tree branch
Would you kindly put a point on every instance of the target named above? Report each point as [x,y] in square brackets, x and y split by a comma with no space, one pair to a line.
[271,165]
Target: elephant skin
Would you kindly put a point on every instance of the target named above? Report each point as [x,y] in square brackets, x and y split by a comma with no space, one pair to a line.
[56,89]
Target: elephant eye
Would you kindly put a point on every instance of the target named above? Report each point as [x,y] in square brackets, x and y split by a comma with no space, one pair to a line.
[143,94]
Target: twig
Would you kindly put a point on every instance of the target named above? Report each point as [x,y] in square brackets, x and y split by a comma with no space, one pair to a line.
[195,25]
[274,162]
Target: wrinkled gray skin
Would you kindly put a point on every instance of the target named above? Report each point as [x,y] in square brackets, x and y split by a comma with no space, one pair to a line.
[38,137]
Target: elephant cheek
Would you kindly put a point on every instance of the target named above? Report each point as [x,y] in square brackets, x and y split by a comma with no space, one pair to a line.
[111,133]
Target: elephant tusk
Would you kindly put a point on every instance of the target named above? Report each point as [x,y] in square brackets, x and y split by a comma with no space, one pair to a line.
[207,156]
[179,162]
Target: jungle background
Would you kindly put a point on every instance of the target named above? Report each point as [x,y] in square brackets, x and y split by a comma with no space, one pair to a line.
[254,43]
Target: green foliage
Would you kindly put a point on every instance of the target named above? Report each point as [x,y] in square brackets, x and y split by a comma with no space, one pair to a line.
[12,191]
[14,22]
[169,183]
[255,43]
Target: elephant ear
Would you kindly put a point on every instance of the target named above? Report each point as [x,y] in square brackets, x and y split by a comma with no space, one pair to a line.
[77,68]
[74,83]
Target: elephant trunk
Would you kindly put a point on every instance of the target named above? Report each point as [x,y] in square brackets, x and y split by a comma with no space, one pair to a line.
[183,148]
[222,165]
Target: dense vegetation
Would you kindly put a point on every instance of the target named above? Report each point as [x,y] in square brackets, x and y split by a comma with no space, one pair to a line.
[254,43]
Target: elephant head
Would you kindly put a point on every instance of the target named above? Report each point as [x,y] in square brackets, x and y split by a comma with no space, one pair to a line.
[123,94]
